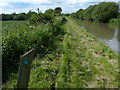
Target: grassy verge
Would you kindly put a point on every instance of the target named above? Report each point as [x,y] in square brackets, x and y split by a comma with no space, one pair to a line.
[91,63]
[79,61]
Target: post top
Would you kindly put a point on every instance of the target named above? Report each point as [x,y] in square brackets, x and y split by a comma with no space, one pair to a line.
[27,53]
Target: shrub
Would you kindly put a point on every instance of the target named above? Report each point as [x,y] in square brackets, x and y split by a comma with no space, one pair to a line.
[23,38]
[36,18]
[114,21]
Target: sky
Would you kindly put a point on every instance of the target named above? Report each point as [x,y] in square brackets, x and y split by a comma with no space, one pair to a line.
[68,6]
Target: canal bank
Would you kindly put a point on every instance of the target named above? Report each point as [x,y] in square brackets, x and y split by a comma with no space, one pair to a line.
[104,32]
[80,61]
[96,62]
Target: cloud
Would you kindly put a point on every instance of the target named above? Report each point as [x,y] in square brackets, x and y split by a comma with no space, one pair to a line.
[4,3]
[84,1]
[68,6]
[32,1]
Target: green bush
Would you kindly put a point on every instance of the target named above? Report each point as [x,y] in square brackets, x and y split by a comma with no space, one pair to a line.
[48,17]
[19,40]
[36,19]
[114,21]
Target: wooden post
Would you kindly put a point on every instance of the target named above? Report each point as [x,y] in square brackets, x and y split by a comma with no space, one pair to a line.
[24,69]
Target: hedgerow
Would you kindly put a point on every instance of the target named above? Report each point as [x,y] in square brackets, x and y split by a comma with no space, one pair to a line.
[20,39]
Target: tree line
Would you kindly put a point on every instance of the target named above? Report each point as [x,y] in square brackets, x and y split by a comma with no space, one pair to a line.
[27,16]
[101,12]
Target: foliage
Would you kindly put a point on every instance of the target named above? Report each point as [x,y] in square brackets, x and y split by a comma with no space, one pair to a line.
[114,21]
[6,17]
[58,10]
[45,17]
[67,14]
[36,18]
[21,16]
[88,12]
[49,11]
[102,12]
[48,15]
[80,13]
[74,15]
[29,14]
[14,16]
[21,38]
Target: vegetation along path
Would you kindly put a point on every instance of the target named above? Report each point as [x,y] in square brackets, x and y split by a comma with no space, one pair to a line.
[80,61]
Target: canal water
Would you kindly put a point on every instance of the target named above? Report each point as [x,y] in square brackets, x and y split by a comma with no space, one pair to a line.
[106,33]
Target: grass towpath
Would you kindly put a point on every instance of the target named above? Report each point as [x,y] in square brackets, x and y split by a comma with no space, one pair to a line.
[92,64]
[80,61]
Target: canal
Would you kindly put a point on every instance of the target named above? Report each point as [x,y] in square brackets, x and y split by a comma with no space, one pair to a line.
[104,32]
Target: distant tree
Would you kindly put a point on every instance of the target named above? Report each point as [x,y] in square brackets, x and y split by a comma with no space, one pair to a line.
[58,10]
[80,13]
[38,10]
[49,11]
[0,17]
[7,17]
[67,14]
[3,16]
[21,16]
[14,15]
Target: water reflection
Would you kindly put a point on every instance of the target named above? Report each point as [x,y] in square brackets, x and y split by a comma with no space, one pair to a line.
[107,33]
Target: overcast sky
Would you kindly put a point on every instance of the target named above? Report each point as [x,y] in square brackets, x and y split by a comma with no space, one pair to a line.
[68,6]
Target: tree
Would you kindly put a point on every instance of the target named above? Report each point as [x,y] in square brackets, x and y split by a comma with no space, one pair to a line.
[74,15]
[21,16]
[48,15]
[38,10]
[80,13]
[49,11]
[7,17]
[104,11]
[88,12]
[29,14]
[58,10]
